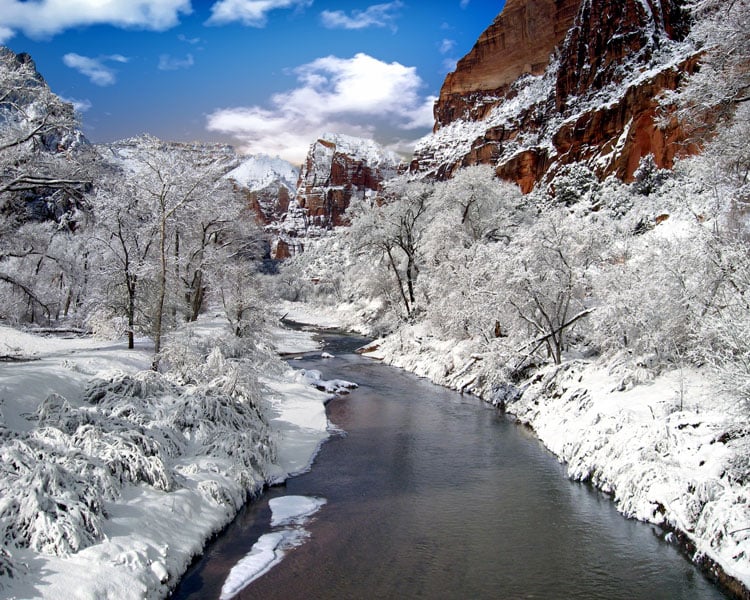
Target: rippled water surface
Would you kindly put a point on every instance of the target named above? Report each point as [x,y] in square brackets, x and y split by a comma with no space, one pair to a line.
[435,495]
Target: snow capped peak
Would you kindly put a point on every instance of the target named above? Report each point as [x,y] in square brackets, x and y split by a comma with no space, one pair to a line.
[366,150]
[259,171]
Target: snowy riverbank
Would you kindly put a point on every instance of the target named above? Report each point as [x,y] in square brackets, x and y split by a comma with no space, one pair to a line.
[117,484]
[668,447]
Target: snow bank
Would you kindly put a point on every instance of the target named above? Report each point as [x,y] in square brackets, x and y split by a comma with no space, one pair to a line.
[113,476]
[670,450]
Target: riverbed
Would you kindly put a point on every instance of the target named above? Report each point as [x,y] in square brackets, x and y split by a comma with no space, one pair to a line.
[425,493]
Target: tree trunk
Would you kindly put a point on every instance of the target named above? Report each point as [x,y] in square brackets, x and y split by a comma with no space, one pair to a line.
[131,312]
[159,311]
[400,283]
[196,296]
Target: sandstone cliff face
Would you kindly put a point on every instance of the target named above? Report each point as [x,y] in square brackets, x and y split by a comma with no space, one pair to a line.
[593,101]
[338,169]
[520,41]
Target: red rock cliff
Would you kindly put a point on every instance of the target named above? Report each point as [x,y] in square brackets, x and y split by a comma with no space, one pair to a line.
[577,85]
[338,168]
[520,41]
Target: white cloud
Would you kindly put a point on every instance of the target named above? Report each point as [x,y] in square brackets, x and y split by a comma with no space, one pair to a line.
[5,34]
[449,65]
[253,13]
[378,15]
[192,41]
[80,106]
[171,63]
[94,68]
[464,3]
[446,46]
[347,95]
[47,17]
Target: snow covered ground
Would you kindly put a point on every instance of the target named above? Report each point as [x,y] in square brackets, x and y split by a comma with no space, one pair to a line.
[116,485]
[667,446]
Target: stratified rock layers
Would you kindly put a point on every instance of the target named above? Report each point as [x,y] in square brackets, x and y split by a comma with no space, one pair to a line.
[551,83]
[338,169]
[520,41]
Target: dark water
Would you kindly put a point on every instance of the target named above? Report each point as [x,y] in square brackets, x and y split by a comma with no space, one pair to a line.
[436,495]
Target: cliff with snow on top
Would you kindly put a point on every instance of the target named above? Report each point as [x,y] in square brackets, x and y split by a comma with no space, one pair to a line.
[551,83]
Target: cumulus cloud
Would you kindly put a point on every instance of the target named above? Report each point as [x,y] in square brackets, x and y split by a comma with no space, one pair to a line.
[253,13]
[94,68]
[47,17]
[334,94]
[377,15]
[171,63]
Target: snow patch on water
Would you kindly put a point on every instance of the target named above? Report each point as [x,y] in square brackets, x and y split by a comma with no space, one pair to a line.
[289,512]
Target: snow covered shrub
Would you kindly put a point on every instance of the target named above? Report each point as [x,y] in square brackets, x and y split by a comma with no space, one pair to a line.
[575,183]
[183,354]
[7,568]
[220,494]
[202,410]
[45,505]
[648,177]
[145,386]
[103,324]
[56,411]
[129,455]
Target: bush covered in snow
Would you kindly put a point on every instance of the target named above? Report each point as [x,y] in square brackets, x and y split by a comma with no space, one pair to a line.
[56,478]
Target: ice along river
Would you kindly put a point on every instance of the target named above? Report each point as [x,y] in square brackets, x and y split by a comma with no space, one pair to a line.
[430,494]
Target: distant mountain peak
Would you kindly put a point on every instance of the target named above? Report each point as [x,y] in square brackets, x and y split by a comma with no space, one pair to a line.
[258,171]
[338,168]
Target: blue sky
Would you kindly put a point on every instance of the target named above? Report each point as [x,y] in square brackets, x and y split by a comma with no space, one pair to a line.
[265,75]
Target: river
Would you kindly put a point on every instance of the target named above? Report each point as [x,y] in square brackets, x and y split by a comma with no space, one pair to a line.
[431,494]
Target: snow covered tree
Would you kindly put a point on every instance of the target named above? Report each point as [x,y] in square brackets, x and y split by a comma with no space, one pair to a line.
[169,221]
[720,31]
[125,233]
[43,170]
[575,183]
[478,205]
[171,183]
[396,230]
[548,282]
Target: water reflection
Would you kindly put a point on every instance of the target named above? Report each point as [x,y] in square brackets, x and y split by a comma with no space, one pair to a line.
[435,495]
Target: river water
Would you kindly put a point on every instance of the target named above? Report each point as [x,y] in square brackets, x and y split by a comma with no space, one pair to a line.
[430,494]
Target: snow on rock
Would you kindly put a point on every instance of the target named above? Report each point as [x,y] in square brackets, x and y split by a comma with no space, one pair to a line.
[363,149]
[337,169]
[333,386]
[604,72]
[259,171]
